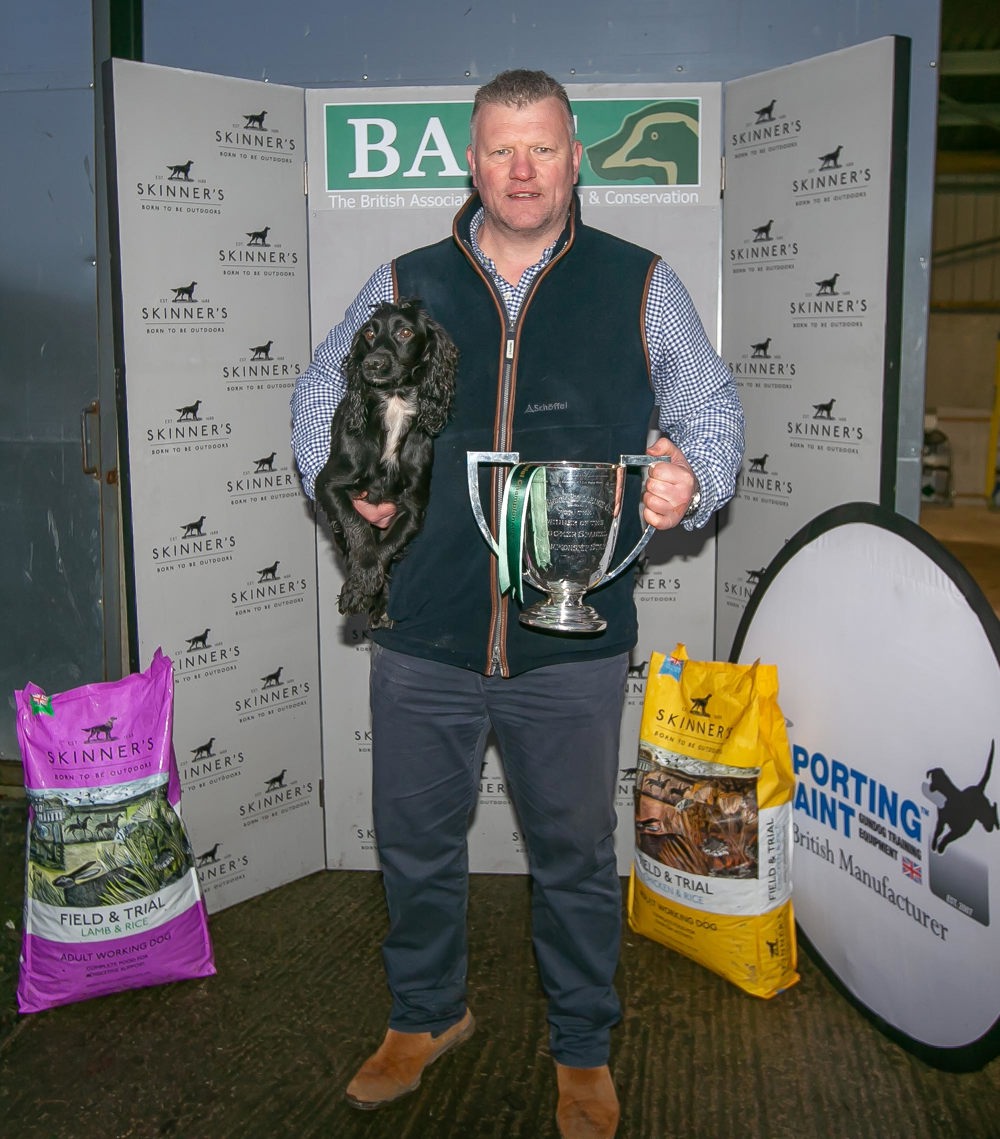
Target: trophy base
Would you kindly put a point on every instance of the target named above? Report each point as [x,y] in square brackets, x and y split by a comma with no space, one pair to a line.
[566,616]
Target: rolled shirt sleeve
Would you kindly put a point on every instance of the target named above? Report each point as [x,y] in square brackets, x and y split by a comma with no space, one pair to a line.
[321,386]
[698,405]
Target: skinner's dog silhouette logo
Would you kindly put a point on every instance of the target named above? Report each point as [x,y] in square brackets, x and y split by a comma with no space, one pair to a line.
[101,731]
[659,143]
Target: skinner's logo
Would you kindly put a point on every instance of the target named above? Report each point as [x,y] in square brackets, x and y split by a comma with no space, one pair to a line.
[248,135]
[204,751]
[660,143]
[257,253]
[763,366]
[759,482]
[699,705]
[103,731]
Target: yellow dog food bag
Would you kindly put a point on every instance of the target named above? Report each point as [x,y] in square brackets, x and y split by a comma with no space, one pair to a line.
[711,874]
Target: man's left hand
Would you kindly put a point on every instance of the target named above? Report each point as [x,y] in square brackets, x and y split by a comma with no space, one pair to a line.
[670,486]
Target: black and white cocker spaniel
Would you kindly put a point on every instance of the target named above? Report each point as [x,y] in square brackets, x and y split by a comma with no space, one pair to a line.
[400,382]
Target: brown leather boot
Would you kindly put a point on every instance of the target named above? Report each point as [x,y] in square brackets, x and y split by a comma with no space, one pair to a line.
[588,1104]
[395,1068]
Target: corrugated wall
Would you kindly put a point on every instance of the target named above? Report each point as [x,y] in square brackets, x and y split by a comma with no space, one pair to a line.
[966,247]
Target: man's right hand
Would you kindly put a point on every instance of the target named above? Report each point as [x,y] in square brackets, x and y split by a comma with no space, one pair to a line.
[379,515]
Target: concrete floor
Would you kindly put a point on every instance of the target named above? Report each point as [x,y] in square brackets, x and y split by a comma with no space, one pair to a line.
[265,1048]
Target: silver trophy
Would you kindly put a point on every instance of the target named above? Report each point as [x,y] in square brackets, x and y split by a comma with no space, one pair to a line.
[557,531]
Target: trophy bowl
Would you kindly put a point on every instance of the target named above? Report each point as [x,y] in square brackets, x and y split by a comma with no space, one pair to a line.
[558,529]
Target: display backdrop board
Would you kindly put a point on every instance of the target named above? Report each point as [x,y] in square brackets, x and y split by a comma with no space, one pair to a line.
[811,276]
[888,662]
[212,329]
[227,568]
[387,173]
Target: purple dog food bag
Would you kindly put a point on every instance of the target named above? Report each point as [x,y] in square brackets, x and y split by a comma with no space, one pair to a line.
[111,898]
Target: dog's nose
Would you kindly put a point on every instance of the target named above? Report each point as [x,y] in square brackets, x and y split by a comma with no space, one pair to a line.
[377,363]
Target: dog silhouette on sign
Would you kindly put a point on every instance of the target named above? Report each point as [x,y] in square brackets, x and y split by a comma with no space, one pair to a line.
[962,808]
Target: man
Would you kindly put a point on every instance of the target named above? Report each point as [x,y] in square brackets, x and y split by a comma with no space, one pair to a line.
[568,337]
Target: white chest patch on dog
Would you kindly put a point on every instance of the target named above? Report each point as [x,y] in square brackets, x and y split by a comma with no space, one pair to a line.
[397,416]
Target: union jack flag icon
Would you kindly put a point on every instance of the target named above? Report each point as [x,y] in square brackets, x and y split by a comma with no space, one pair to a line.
[912,869]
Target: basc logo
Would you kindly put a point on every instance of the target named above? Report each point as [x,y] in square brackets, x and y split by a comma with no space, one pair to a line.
[382,153]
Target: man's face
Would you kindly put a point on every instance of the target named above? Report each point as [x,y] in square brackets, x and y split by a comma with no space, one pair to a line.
[524,165]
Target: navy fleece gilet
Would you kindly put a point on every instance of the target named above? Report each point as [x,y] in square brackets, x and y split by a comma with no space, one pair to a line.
[569,381]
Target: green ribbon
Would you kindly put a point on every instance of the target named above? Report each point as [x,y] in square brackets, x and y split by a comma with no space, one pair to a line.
[525,487]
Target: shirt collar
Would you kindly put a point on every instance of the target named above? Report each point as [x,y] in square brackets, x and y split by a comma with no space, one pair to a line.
[484,260]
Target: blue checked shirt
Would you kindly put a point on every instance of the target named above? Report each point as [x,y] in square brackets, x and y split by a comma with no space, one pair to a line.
[698,406]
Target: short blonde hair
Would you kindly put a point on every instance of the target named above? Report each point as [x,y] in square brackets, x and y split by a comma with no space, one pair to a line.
[520,88]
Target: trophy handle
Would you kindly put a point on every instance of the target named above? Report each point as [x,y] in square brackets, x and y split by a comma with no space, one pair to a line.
[473,459]
[634,461]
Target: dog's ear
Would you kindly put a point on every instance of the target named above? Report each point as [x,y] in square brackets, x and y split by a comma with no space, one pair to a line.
[355,354]
[354,409]
[440,364]
[353,403]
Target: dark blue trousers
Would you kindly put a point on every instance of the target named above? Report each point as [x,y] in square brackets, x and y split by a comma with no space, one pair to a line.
[558,729]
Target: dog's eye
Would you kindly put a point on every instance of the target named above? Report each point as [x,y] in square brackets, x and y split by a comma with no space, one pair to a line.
[368,333]
[405,333]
